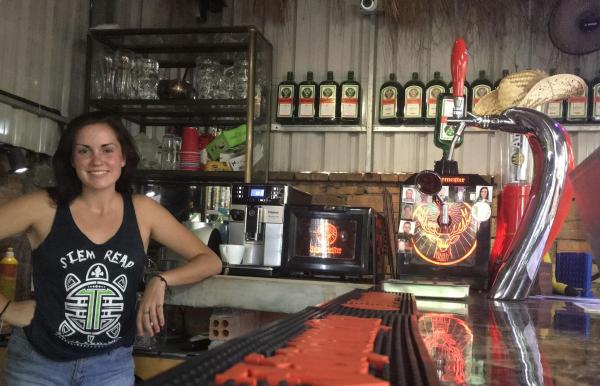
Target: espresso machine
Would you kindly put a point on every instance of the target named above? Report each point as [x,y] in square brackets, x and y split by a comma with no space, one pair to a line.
[256,221]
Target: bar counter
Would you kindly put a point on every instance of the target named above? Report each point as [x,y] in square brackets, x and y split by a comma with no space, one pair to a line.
[478,341]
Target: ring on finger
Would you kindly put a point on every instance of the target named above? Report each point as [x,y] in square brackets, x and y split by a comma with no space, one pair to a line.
[146,311]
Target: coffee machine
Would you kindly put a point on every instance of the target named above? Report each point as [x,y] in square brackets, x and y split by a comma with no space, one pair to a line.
[256,221]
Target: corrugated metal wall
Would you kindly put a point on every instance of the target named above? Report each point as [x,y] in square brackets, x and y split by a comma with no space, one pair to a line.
[321,35]
[334,35]
[43,60]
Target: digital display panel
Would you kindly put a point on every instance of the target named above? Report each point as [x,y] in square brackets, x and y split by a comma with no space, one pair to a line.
[257,192]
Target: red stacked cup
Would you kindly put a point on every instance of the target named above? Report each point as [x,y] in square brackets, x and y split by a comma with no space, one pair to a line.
[189,157]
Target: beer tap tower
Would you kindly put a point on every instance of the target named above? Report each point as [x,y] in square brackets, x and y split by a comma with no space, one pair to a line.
[552,156]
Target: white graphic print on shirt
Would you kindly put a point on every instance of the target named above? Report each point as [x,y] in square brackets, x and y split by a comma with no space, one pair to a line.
[93,308]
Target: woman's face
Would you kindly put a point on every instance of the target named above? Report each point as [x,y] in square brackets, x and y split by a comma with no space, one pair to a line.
[97,157]
[483,193]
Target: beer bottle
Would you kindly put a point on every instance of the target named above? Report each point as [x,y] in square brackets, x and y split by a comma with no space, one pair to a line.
[554,109]
[595,99]
[576,106]
[414,100]
[479,88]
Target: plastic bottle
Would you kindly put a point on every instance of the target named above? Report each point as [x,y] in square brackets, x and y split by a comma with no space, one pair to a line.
[433,89]
[350,101]
[287,95]
[307,101]
[8,275]
[391,101]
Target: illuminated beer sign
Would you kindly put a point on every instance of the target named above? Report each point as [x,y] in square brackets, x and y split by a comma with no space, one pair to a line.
[444,246]
[325,236]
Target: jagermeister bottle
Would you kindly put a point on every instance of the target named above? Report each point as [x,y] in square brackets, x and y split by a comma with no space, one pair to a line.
[287,95]
[467,95]
[391,101]
[414,100]
[307,100]
[497,82]
[433,89]
[350,100]
[444,132]
[328,100]
[480,88]
[554,109]
[595,99]
[576,106]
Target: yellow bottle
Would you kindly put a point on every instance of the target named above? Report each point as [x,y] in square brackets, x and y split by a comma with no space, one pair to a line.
[8,275]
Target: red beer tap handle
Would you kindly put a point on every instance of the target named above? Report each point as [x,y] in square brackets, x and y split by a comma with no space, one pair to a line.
[458,67]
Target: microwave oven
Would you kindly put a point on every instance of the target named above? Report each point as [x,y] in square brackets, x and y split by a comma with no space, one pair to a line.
[332,241]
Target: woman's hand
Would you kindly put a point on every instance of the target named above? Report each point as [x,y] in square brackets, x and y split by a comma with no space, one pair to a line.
[150,315]
[19,314]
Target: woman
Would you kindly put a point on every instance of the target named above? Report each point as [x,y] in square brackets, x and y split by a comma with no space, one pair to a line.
[483,194]
[88,237]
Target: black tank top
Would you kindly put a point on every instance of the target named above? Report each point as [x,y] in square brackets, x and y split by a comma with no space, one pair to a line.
[85,292]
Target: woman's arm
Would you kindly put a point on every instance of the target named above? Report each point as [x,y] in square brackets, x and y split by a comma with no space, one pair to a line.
[31,213]
[202,262]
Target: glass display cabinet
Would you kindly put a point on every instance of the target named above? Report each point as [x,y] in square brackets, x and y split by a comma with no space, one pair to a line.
[210,78]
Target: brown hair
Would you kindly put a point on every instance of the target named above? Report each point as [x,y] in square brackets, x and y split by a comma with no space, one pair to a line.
[68,185]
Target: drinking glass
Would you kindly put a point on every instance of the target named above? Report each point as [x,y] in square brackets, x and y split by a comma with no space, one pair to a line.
[103,75]
[123,64]
[205,77]
[145,78]
[167,152]
[176,151]
[240,85]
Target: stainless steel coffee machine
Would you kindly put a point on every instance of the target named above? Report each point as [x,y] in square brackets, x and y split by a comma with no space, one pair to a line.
[256,221]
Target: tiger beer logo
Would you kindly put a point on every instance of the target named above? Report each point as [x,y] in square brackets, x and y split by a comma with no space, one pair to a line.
[93,308]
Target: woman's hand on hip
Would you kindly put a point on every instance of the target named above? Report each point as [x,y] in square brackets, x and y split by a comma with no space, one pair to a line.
[19,314]
[150,314]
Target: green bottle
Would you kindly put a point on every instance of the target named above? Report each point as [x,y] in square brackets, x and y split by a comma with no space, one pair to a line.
[576,106]
[433,89]
[350,101]
[504,75]
[414,100]
[307,100]
[467,95]
[480,88]
[391,101]
[594,93]
[287,95]
[444,133]
[329,96]
[554,109]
